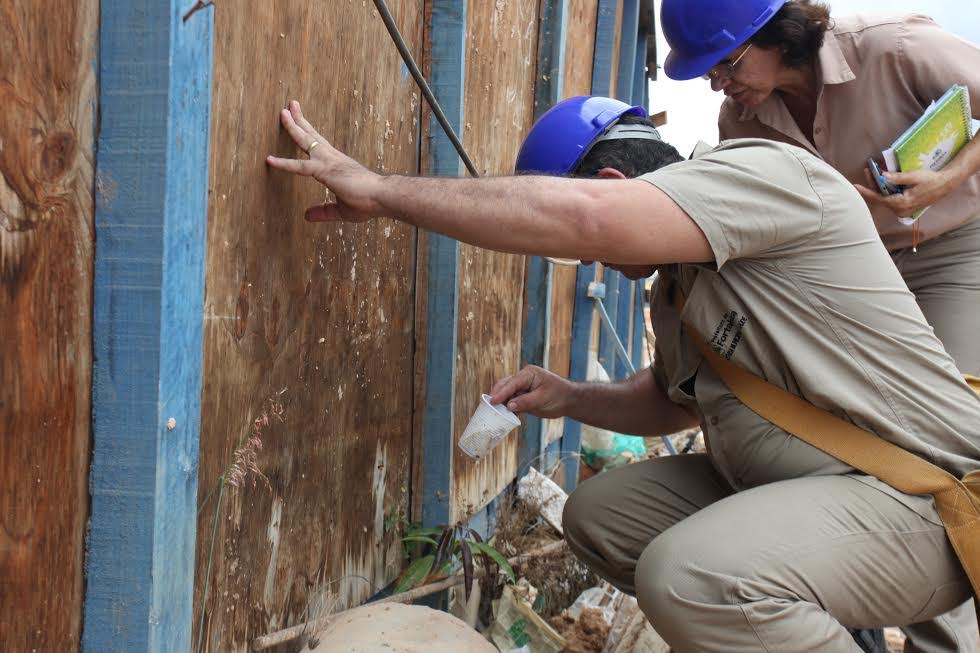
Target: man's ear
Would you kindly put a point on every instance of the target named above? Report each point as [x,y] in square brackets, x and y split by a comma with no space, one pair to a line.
[610,173]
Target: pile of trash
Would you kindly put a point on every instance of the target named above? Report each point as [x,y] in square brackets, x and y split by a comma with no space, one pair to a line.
[557,605]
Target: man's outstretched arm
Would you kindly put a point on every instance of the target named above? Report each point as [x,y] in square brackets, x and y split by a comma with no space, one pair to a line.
[637,406]
[616,221]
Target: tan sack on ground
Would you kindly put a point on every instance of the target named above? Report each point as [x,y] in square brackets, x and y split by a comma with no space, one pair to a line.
[397,628]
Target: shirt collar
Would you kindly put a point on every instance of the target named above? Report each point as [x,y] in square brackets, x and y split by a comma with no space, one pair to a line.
[832,68]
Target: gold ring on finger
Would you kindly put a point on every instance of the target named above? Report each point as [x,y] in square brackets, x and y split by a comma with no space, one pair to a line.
[312,145]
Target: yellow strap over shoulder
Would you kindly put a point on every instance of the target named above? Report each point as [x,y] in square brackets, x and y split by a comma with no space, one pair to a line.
[958,502]
[973,382]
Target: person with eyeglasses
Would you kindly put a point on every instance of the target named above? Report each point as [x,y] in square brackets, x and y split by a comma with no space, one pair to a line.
[844,89]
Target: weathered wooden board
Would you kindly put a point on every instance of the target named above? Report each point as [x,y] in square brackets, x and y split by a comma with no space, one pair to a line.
[309,328]
[617,50]
[48,94]
[578,80]
[580,25]
[500,70]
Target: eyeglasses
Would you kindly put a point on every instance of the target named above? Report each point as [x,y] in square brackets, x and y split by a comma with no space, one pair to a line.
[725,70]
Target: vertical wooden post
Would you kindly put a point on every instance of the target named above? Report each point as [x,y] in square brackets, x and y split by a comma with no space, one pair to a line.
[47,180]
[627,51]
[640,80]
[623,317]
[605,44]
[154,99]
[639,324]
[582,317]
[534,348]
[584,312]
[448,33]
[607,348]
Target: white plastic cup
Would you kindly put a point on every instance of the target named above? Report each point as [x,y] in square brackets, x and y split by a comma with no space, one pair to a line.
[488,426]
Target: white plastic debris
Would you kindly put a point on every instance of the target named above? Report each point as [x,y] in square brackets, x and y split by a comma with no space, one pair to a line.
[536,489]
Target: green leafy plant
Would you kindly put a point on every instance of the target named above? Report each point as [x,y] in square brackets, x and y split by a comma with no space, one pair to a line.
[445,549]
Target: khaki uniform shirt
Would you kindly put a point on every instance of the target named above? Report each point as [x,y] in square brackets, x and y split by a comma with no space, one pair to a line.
[877,76]
[802,293]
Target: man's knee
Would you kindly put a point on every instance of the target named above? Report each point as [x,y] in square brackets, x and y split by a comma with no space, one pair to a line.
[579,516]
[682,587]
[662,574]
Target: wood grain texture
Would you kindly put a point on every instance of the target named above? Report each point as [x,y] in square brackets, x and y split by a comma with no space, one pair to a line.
[309,328]
[581,24]
[617,50]
[48,95]
[499,110]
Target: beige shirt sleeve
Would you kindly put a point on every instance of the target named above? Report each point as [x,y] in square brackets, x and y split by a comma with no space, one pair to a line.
[934,60]
[751,198]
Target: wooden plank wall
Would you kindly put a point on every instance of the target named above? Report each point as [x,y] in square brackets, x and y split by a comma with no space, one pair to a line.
[581,25]
[48,94]
[500,70]
[309,330]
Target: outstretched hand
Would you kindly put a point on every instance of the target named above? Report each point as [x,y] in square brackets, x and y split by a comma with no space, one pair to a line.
[351,187]
[534,390]
[922,188]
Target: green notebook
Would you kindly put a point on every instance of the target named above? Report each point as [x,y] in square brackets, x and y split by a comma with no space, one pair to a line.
[935,138]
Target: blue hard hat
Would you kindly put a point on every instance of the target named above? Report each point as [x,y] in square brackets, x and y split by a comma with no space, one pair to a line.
[701,33]
[561,137]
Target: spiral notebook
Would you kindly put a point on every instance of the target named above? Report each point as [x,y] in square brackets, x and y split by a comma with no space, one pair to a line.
[935,138]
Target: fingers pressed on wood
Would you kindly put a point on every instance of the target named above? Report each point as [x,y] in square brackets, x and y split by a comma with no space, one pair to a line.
[301,120]
[297,133]
[296,166]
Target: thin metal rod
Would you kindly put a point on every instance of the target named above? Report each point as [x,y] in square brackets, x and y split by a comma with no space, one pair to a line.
[611,332]
[289,634]
[413,68]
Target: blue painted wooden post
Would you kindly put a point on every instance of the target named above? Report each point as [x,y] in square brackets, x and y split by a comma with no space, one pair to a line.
[639,324]
[583,313]
[624,317]
[448,33]
[617,304]
[627,50]
[548,86]
[547,91]
[154,101]
[605,44]
[640,70]
[607,346]
[582,316]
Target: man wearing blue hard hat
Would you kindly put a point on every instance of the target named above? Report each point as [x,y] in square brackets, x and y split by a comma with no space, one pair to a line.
[768,263]
[844,88]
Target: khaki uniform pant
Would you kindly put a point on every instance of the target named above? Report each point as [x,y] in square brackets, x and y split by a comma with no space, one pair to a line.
[780,568]
[945,277]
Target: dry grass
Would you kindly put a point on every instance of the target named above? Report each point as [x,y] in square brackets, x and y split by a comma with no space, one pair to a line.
[559,578]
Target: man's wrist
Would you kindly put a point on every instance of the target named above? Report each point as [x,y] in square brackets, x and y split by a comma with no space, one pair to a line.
[574,396]
[383,190]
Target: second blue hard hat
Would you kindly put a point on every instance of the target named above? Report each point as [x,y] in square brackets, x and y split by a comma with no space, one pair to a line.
[563,134]
[701,33]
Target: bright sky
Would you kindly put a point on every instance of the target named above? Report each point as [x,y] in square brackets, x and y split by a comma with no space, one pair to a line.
[692,108]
